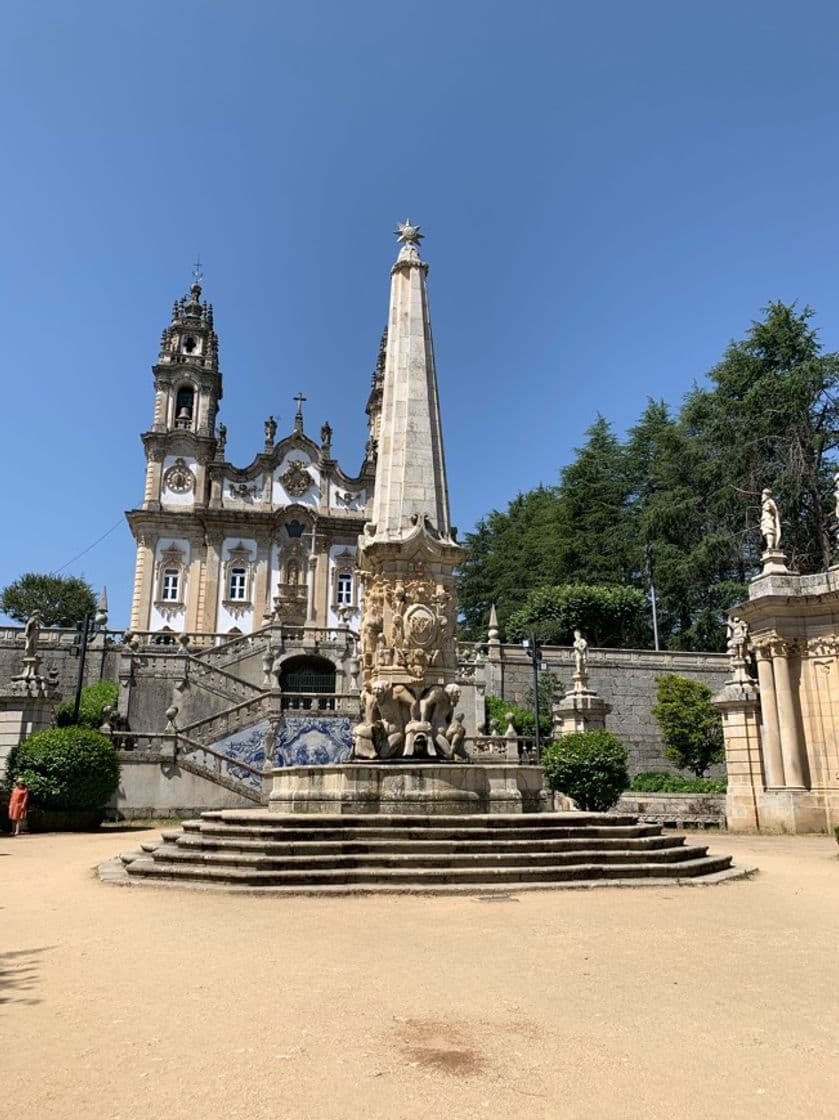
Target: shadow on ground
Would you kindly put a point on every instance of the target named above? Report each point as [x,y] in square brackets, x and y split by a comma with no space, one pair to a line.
[19,975]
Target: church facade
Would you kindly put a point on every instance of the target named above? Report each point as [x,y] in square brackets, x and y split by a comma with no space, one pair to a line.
[225,549]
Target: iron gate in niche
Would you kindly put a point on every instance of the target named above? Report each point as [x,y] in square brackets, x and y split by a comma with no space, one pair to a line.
[308,684]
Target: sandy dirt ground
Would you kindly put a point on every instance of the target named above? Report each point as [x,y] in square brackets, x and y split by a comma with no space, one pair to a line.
[120,1003]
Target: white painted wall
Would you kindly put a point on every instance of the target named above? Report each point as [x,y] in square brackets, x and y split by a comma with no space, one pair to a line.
[242,616]
[279,495]
[162,617]
[169,499]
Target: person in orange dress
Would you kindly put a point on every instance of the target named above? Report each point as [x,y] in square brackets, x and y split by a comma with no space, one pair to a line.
[17,805]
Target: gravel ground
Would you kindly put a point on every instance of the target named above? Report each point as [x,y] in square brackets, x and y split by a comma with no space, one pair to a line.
[122,1003]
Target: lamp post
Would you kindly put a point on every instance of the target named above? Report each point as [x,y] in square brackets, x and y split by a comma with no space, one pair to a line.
[648,559]
[532,649]
[89,626]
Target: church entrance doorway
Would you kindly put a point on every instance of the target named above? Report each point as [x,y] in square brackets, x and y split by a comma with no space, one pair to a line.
[308,683]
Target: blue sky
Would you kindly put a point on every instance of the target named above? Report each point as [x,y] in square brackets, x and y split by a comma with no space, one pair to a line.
[610,193]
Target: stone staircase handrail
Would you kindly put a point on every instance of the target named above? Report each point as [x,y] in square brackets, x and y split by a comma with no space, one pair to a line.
[226,713]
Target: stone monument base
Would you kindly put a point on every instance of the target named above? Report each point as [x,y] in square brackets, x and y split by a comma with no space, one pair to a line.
[783,810]
[422,788]
[580,710]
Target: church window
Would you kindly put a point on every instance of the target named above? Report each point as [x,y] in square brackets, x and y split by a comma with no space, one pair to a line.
[238,584]
[294,528]
[344,589]
[189,344]
[171,580]
[170,587]
[237,578]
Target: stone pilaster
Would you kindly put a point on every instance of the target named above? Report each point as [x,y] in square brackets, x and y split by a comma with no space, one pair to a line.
[773,763]
[788,718]
[143,583]
[737,704]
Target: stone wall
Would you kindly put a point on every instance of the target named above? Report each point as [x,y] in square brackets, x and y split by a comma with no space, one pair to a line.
[676,810]
[624,678]
[152,787]
[57,648]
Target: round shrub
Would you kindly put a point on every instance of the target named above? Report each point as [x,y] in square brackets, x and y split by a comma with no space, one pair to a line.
[94,699]
[589,766]
[66,768]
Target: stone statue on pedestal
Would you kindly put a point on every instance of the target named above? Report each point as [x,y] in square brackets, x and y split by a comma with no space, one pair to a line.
[770,522]
[580,648]
[30,636]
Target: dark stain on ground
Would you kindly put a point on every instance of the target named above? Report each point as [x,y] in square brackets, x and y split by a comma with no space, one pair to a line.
[441,1045]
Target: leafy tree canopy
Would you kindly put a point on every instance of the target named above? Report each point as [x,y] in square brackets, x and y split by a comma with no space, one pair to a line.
[690,725]
[62,600]
[609,616]
[679,498]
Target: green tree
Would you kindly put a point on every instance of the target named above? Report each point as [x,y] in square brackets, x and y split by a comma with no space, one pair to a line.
[509,554]
[770,418]
[692,560]
[596,542]
[608,616]
[690,725]
[62,600]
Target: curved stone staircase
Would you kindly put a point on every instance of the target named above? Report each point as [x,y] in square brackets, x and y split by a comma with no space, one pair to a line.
[261,851]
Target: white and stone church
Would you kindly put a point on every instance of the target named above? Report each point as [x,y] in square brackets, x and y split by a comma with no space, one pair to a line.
[224,549]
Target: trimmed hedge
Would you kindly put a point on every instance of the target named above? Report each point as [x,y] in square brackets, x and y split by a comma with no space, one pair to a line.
[66,768]
[654,781]
[589,766]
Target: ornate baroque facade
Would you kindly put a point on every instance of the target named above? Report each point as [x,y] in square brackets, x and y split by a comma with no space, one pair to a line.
[223,549]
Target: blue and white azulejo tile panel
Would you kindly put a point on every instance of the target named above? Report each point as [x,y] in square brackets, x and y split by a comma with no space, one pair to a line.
[313,740]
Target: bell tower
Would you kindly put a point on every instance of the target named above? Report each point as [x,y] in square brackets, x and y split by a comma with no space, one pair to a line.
[187,391]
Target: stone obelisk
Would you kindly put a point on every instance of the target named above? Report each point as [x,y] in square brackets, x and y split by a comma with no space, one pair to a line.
[407,553]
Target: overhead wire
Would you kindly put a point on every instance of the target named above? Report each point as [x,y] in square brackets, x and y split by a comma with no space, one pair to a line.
[85,551]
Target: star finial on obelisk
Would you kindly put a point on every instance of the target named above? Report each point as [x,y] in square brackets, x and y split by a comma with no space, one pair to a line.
[409,234]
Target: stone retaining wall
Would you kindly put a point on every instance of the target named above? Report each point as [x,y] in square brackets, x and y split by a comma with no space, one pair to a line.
[624,678]
[676,810]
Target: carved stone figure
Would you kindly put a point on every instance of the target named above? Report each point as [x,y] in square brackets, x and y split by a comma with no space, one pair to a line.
[738,636]
[397,706]
[221,440]
[30,635]
[270,431]
[296,479]
[770,522]
[580,657]
[456,735]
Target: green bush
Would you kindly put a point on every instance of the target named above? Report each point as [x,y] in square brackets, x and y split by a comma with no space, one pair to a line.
[654,781]
[589,766]
[690,725]
[66,768]
[95,698]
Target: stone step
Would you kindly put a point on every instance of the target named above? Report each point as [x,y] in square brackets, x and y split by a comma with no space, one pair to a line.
[306,848]
[420,878]
[410,831]
[401,861]
[494,821]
